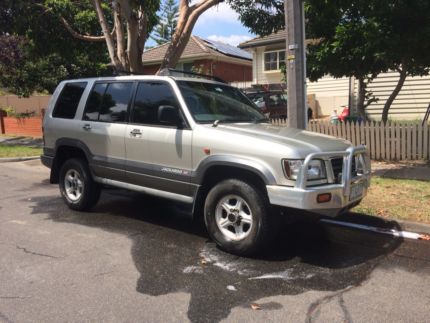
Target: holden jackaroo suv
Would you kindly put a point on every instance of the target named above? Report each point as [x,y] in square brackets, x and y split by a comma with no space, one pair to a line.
[199,142]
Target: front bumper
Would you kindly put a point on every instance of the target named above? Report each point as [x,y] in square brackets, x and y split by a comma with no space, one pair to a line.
[343,196]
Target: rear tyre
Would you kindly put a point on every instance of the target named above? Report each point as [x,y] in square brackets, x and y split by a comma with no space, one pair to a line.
[238,218]
[77,187]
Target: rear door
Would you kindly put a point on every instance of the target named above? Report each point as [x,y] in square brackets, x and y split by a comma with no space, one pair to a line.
[158,156]
[104,123]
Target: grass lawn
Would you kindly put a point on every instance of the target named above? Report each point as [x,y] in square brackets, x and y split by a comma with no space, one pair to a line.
[397,199]
[18,151]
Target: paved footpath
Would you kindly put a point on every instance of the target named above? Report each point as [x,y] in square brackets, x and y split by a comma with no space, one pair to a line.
[138,259]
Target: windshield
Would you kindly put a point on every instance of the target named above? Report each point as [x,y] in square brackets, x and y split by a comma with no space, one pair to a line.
[208,102]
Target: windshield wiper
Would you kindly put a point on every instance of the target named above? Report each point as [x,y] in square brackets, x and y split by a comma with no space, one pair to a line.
[267,120]
[217,122]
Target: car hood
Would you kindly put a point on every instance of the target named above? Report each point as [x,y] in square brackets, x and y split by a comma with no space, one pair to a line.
[293,138]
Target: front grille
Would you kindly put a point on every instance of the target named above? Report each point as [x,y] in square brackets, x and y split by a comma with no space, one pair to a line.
[337,165]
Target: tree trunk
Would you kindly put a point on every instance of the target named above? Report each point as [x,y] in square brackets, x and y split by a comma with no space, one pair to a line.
[108,38]
[120,38]
[187,19]
[361,98]
[403,74]
[134,57]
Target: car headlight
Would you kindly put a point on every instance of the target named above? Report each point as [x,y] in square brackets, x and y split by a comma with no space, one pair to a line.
[315,171]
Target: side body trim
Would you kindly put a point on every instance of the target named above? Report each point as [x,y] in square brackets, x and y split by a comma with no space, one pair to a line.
[147,190]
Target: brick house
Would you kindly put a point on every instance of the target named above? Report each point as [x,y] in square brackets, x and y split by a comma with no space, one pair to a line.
[206,56]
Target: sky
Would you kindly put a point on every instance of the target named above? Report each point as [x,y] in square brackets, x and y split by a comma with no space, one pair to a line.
[220,23]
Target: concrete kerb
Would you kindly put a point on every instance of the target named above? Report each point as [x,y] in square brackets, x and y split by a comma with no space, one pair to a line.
[17,159]
[414,226]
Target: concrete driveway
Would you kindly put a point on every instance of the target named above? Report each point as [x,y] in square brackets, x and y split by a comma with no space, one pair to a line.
[136,258]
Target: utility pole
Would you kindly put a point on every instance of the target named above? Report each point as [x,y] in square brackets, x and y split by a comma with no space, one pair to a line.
[296,63]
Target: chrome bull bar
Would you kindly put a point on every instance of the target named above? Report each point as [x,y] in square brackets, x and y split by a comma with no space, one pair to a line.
[348,157]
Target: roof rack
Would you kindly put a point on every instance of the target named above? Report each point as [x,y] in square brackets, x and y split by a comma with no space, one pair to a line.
[172,72]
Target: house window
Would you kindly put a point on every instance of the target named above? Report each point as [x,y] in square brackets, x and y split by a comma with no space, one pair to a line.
[188,67]
[273,60]
[281,56]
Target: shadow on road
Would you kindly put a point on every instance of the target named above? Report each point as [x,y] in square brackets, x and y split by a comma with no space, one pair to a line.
[172,253]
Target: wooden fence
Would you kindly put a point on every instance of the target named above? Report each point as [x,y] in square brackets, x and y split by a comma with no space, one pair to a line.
[390,141]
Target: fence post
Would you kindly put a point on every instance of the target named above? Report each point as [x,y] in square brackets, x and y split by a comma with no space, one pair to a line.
[2,127]
[426,141]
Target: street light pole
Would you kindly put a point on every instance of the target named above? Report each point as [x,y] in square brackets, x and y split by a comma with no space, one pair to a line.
[296,63]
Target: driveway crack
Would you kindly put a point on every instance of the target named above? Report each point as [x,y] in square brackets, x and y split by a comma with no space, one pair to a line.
[14,297]
[315,308]
[36,253]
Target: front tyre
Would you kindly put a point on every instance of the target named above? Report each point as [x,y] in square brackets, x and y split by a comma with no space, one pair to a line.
[237,217]
[77,188]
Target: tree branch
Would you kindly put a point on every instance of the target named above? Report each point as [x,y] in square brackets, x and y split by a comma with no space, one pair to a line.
[204,5]
[77,35]
[69,28]
[108,38]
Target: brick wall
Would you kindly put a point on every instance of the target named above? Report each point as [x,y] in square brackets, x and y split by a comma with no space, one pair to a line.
[232,72]
[229,72]
[31,127]
[150,69]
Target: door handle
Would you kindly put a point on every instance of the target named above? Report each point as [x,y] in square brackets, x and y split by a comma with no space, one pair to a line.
[135,132]
[87,127]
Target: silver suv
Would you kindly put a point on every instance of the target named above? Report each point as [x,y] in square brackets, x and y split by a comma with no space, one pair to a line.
[199,142]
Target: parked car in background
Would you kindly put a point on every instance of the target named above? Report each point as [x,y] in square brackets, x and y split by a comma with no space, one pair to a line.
[273,103]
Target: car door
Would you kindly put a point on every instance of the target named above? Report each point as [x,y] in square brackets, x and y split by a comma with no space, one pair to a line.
[158,156]
[104,123]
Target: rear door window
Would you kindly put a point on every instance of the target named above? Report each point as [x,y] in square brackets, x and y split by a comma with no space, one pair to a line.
[68,101]
[94,102]
[108,102]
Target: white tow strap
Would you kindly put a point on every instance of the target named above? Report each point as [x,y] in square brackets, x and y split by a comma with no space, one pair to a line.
[392,232]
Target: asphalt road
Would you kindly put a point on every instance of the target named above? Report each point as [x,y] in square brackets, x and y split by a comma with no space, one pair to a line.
[139,259]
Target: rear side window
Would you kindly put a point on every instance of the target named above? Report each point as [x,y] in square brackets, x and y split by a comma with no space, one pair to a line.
[276,100]
[149,96]
[108,102]
[68,101]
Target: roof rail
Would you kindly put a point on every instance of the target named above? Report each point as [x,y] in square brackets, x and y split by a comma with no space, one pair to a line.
[172,72]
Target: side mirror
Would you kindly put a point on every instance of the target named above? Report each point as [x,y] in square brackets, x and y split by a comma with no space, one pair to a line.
[169,115]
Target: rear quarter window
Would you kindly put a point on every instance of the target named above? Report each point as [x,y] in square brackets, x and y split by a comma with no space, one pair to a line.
[68,100]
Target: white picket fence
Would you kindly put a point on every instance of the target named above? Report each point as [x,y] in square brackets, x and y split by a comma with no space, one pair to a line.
[390,141]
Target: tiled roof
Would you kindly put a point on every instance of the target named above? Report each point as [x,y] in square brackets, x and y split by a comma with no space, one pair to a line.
[273,38]
[197,47]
